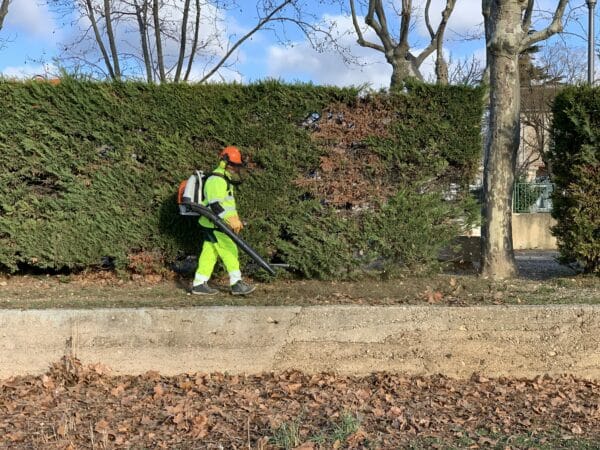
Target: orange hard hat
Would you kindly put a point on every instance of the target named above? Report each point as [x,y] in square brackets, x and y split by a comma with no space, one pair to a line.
[231,155]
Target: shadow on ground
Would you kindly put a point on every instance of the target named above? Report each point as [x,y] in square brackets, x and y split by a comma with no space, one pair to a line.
[541,265]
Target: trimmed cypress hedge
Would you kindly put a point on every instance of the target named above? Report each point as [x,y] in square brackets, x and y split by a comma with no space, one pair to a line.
[91,170]
[575,166]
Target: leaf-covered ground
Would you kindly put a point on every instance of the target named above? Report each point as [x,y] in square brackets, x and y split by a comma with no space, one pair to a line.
[73,407]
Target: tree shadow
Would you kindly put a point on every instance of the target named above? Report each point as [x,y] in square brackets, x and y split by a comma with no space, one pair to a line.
[541,265]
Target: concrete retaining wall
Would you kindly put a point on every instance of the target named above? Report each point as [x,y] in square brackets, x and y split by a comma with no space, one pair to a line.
[532,231]
[516,341]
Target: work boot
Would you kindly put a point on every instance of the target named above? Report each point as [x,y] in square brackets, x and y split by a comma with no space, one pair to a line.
[241,288]
[204,289]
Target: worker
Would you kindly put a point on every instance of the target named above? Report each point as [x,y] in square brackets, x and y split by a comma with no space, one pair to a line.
[218,196]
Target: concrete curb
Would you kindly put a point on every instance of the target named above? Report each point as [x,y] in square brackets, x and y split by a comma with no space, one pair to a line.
[416,340]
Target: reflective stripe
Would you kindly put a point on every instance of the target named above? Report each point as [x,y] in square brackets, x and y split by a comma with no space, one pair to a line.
[234,277]
[199,279]
[220,200]
[225,211]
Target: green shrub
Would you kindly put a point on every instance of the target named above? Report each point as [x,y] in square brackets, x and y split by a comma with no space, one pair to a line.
[412,228]
[575,162]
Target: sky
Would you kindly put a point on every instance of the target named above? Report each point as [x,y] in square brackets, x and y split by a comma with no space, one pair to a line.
[34,36]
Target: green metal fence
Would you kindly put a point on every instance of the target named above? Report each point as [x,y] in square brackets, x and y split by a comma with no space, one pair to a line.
[532,197]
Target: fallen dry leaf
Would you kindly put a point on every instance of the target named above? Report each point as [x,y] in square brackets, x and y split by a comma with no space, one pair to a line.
[195,409]
[306,446]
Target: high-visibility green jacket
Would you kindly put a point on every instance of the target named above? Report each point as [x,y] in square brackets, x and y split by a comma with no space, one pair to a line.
[218,196]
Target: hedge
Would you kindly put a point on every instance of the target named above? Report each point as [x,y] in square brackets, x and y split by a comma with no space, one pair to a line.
[91,170]
[575,164]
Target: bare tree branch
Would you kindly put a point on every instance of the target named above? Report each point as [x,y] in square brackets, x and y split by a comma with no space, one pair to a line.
[257,27]
[427,21]
[194,43]
[384,37]
[405,20]
[437,41]
[98,36]
[527,16]
[555,27]
[361,40]
[141,13]
[111,39]
[158,42]
[467,72]
[182,40]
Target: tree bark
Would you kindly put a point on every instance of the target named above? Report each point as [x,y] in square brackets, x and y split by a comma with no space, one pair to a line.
[98,37]
[111,39]
[182,40]
[498,260]
[159,52]
[3,11]
[194,43]
[403,68]
[141,13]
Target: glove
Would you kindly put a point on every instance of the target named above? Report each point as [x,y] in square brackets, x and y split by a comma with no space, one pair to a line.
[235,224]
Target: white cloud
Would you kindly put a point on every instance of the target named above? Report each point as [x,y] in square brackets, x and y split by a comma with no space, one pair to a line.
[32,18]
[325,68]
[223,75]
[26,72]
[301,61]
[466,18]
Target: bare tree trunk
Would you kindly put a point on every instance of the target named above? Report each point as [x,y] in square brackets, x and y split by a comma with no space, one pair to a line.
[3,11]
[182,40]
[141,13]
[403,68]
[194,43]
[441,66]
[507,29]
[159,52]
[92,18]
[111,39]
[257,27]
[496,234]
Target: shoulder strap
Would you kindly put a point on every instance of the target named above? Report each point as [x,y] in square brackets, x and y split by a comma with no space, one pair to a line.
[216,174]
[220,175]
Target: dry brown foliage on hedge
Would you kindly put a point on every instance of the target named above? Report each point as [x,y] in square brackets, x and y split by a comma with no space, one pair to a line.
[350,175]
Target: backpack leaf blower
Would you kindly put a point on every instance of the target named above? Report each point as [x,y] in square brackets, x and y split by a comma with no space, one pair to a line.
[189,197]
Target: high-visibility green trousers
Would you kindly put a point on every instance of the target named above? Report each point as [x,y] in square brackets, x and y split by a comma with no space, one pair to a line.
[221,246]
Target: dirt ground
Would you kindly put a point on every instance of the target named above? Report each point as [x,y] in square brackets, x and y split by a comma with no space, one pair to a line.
[542,281]
[73,407]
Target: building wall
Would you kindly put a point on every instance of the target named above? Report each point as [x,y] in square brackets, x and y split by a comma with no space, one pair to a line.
[532,231]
